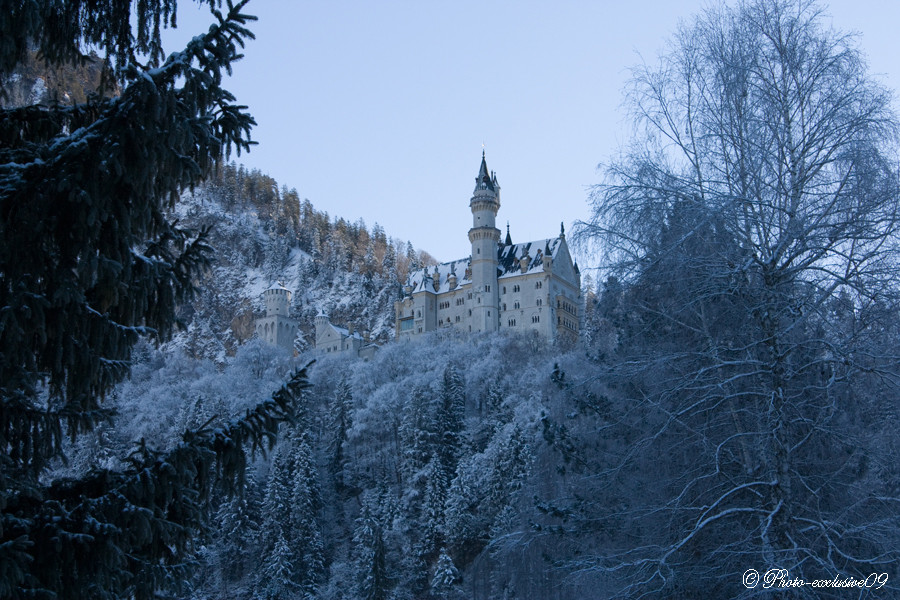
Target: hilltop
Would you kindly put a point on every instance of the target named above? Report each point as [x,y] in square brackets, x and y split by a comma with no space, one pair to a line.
[264,233]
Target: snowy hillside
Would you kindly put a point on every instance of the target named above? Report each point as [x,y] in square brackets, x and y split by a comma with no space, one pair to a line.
[262,235]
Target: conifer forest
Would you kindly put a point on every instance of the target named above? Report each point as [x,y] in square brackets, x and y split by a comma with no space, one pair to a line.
[725,425]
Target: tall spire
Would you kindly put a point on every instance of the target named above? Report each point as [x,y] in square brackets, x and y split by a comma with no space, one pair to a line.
[508,241]
[484,237]
[484,176]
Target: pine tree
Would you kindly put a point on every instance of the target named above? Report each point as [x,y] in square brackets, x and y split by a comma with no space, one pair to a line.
[237,531]
[368,540]
[415,432]
[276,507]
[449,419]
[89,262]
[445,576]
[276,578]
[432,528]
[305,505]
[389,263]
[341,420]
[412,257]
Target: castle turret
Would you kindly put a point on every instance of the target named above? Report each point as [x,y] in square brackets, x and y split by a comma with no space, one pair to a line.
[278,300]
[321,321]
[277,327]
[484,236]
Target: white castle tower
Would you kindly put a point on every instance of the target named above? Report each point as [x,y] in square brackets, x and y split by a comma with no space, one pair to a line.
[484,237]
[277,327]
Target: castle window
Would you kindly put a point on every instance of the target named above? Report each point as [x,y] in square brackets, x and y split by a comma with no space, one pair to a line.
[460,301]
[477,250]
[406,324]
[511,322]
[539,285]
[504,289]
[516,304]
[470,312]
[457,318]
[515,288]
[540,302]
[504,306]
[470,295]
[487,288]
[536,319]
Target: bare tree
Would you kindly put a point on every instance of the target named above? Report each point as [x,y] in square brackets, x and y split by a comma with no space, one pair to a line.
[754,221]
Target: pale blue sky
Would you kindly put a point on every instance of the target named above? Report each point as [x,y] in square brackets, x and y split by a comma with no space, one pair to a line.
[379,109]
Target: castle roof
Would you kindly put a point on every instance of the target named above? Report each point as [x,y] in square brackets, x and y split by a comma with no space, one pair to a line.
[423,279]
[508,265]
[509,257]
[346,332]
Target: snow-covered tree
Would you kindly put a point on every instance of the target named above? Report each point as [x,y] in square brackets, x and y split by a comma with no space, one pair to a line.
[448,420]
[415,432]
[389,263]
[236,535]
[369,551]
[306,503]
[762,188]
[340,422]
[445,576]
[431,526]
[276,577]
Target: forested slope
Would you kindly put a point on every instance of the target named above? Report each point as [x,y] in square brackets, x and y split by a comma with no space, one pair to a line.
[263,234]
[425,471]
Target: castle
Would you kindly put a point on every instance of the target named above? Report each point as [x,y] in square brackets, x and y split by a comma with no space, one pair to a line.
[277,327]
[331,338]
[531,286]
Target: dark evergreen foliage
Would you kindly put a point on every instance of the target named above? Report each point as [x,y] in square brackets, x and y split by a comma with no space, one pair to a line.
[368,539]
[449,415]
[341,420]
[89,261]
